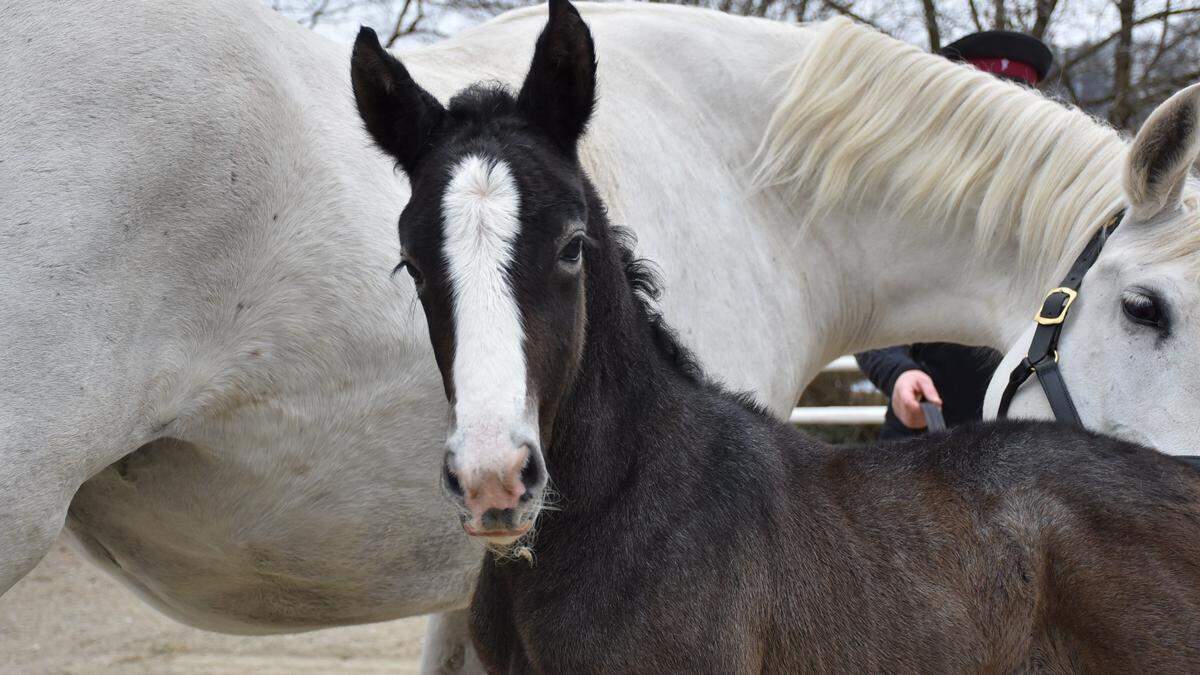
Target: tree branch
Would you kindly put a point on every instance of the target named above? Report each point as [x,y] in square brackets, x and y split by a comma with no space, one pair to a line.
[931,25]
[316,13]
[975,16]
[1121,109]
[1161,47]
[1065,76]
[1045,10]
[399,30]
[1091,49]
[846,11]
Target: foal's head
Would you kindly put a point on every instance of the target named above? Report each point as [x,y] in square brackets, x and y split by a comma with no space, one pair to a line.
[494,239]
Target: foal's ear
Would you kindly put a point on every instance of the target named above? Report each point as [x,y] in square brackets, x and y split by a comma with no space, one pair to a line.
[1163,153]
[399,114]
[560,89]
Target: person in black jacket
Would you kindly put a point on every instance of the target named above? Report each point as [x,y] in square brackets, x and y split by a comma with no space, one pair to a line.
[951,376]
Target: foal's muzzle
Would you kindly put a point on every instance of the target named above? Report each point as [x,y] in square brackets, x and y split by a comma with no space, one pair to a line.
[502,498]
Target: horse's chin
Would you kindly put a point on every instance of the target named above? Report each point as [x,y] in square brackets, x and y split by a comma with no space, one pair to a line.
[502,542]
[499,538]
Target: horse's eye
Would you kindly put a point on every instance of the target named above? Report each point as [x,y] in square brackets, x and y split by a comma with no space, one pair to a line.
[1144,308]
[412,270]
[573,251]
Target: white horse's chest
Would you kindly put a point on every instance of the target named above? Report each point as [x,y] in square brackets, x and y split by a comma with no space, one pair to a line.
[322,500]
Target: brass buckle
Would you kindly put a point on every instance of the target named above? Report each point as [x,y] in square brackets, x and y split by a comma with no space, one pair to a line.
[1033,366]
[1062,313]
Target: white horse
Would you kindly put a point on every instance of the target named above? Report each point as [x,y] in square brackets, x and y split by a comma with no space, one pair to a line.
[247,430]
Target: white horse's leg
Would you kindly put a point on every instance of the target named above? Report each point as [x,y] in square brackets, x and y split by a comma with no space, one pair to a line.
[46,452]
[47,449]
[447,647]
[71,403]
[32,510]
[68,402]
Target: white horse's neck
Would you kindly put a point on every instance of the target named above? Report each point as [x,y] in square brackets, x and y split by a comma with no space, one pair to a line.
[934,216]
[896,282]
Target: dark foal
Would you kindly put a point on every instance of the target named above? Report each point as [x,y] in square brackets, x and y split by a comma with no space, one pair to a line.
[693,533]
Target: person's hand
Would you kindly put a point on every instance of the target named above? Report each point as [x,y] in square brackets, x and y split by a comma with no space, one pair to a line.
[912,387]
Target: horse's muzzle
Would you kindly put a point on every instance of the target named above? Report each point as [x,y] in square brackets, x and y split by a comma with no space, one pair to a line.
[500,503]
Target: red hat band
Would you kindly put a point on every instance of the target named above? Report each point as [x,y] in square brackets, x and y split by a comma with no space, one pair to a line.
[1007,68]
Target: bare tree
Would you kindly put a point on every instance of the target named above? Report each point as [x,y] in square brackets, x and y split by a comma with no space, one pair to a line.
[393,19]
[1122,75]
[1042,15]
[406,24]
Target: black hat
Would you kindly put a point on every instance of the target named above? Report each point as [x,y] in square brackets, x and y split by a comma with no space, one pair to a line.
[1007,54]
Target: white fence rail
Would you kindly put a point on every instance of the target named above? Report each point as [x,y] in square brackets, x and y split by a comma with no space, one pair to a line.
[842,364]
[839,414]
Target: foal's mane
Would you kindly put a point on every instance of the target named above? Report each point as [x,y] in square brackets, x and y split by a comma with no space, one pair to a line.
[866,117]
[646,284]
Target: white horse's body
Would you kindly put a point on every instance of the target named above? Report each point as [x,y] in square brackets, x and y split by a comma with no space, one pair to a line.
[195,246]
[195,251]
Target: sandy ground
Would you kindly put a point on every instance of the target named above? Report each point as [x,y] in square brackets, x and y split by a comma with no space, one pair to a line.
[68,617]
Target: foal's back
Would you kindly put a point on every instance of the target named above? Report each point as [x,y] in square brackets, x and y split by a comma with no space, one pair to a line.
[991,548]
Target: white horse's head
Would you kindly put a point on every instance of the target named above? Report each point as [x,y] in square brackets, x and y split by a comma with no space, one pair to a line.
[1129,349]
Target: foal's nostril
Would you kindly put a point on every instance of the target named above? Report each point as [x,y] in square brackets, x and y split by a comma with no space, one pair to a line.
[531,476]
[498,519]
[451,480]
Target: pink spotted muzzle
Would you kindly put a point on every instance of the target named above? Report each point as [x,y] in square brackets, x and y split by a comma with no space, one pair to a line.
[500,498]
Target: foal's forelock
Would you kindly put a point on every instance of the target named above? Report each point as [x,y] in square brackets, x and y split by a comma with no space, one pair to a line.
[481,209]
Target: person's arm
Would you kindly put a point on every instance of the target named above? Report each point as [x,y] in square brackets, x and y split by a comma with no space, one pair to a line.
[883,366]
[901,379]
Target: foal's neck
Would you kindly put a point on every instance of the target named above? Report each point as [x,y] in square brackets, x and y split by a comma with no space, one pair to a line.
[634,384]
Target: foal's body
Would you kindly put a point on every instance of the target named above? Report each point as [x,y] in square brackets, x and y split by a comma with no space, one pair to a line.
[696,533]
[692,531]
[738,545]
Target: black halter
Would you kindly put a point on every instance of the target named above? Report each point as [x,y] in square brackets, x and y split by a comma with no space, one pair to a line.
[1043,349]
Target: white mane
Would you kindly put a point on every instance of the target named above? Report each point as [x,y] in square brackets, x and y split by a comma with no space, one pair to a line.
[871,122]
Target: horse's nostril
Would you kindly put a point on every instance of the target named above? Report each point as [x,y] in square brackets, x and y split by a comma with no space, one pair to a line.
[498,519]
[451,480]
[531,476]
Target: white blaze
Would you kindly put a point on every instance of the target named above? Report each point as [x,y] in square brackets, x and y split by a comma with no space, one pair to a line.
[481,208]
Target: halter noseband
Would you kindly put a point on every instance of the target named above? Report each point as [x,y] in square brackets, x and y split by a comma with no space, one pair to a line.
[1042,357]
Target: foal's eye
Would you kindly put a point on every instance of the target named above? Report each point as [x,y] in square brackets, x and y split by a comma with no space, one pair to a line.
[1143,308]
[412,271]
[573,251]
